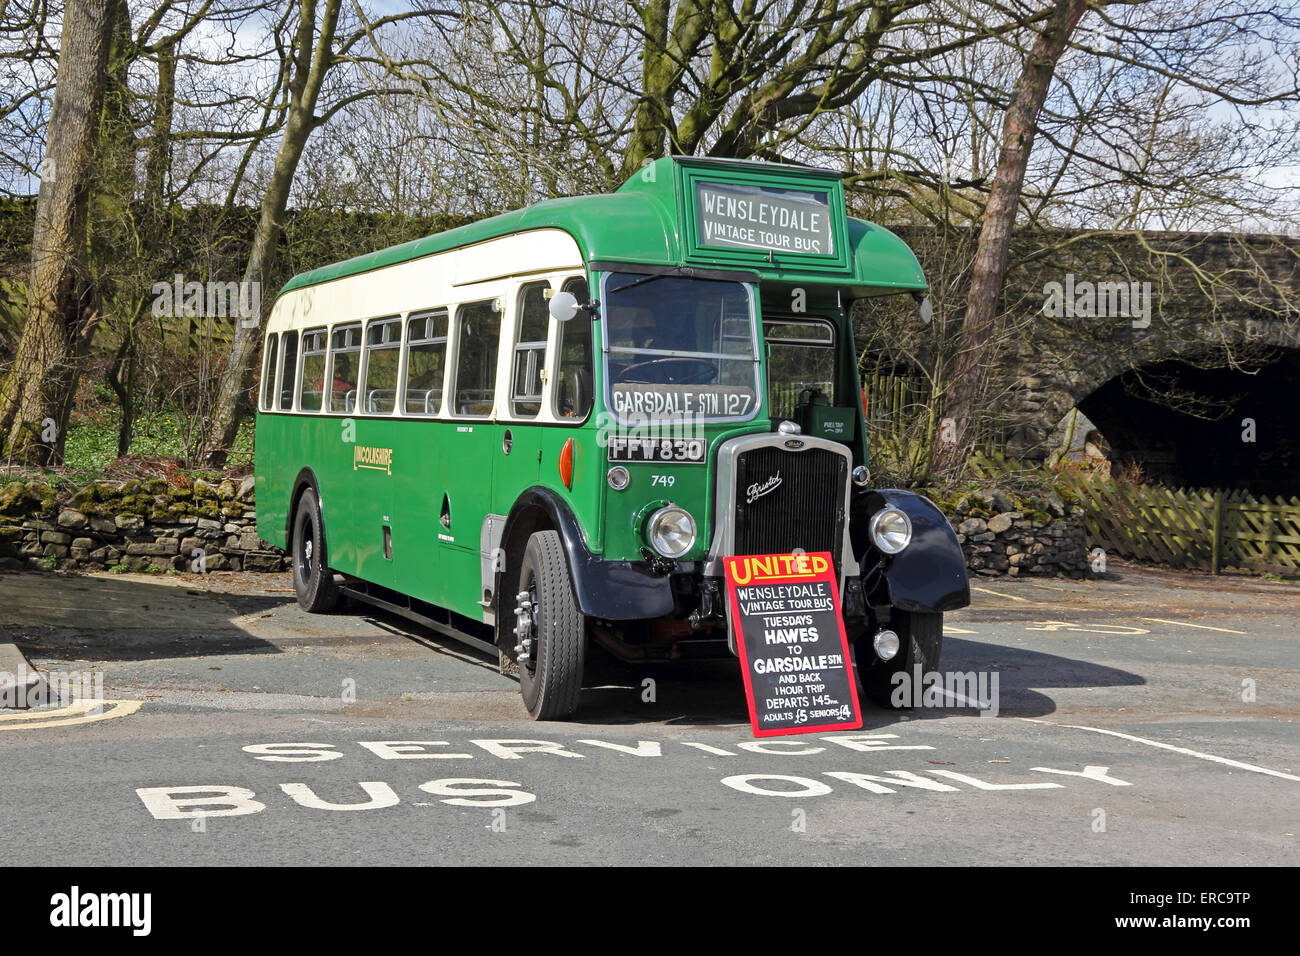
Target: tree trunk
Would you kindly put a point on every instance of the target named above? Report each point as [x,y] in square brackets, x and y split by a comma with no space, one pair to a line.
[36,399]
[121,378]
[116,219]
[309,69]
[158,158]
[991,254]
[649,127]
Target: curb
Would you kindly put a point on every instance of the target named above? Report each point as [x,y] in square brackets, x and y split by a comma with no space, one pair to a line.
[19,681]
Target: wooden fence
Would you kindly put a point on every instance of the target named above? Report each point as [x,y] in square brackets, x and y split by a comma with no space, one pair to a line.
[1199,528]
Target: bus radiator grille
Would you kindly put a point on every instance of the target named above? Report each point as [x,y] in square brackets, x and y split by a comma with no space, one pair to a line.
[803,509]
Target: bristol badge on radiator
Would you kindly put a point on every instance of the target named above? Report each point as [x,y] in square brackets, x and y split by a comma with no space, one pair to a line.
[785,614]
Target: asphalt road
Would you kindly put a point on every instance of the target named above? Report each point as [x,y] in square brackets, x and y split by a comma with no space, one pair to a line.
[1150,718]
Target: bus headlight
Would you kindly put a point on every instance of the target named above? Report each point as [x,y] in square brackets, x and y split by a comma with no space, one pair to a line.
[671,531]
[890,529]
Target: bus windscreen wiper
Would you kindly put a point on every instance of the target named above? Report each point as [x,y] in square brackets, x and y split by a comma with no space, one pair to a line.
[650,278]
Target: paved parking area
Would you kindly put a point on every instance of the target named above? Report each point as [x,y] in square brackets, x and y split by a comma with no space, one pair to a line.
[1147,718]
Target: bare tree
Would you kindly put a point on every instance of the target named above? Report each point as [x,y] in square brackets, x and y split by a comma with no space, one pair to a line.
[990,266]
[63,308]
[318,52]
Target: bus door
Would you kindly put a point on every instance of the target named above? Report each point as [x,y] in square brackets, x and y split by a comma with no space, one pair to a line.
[521,441]
[419,489]
[471,446]
[546,357]
[519,444]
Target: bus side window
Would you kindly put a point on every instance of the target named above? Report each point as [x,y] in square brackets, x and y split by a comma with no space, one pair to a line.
[288,365]
[268,371]
[478,333]
[345,362]
[311,383]
[383,355]
[572,392]
[530,349]
[426,336]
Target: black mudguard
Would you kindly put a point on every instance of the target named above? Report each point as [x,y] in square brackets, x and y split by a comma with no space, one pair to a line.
[928,575]
[611,590]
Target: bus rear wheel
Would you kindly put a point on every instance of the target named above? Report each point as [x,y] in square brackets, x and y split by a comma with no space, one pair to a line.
[920,635]
[550,631]
[313,582]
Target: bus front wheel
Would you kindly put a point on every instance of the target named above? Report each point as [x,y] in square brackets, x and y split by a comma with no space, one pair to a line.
[921,636]
[313,582]
[550,631]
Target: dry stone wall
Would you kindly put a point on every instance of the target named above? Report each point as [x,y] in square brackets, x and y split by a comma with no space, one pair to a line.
[151,525]
[158,526]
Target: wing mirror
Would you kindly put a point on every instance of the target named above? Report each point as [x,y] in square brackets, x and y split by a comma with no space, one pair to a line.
[926,307]
[564,306]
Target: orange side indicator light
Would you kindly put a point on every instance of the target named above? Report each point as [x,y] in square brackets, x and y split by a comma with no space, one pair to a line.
[566,464]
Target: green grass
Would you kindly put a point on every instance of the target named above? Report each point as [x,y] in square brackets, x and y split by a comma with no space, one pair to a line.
[92,439]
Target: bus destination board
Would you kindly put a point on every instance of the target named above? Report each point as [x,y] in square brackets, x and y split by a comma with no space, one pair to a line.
[785,615]
[735,216]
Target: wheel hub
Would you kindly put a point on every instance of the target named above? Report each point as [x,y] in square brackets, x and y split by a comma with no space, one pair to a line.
[525,625]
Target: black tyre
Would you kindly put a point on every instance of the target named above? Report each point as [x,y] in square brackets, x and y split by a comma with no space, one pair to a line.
[550,631]
[921,636]
[313,581]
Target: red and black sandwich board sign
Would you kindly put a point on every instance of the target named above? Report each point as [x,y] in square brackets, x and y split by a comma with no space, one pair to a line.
[785,615]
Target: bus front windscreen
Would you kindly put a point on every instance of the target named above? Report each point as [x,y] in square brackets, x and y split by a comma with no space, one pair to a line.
[679,347]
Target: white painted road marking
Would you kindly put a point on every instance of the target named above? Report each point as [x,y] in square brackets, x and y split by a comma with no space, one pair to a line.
[985,785]
[1181,750]
[1203,627]
[1089,772]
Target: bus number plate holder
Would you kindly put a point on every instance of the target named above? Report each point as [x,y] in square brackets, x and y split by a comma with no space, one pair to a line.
[684,451]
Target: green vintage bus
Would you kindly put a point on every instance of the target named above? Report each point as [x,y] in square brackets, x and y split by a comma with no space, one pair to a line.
[543,431]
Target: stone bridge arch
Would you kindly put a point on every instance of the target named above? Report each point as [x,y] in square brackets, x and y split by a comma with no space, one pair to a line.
[1047,386]
[1243,327]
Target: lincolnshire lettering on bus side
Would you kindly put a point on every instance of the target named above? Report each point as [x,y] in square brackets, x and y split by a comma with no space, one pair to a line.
[379,459]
